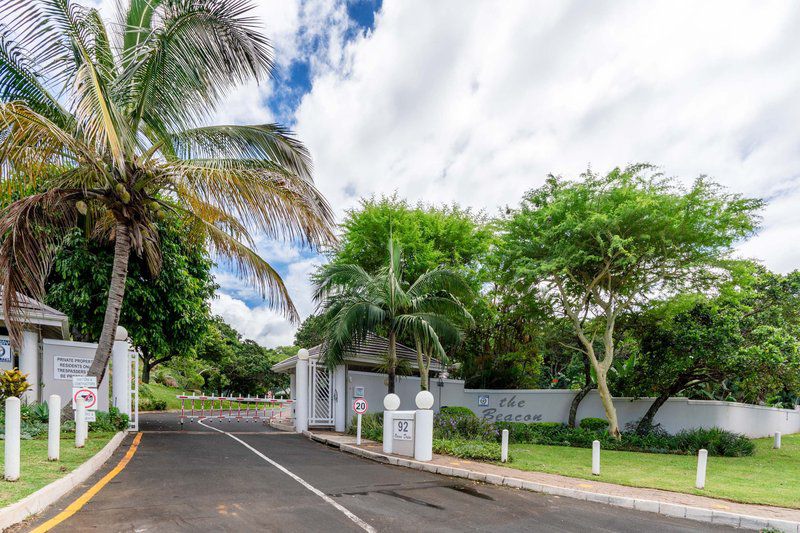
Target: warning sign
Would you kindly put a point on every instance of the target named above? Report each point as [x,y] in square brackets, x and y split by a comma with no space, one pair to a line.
[85,387]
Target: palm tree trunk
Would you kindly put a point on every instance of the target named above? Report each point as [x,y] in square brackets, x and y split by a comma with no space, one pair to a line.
[423,370]
[392,361]
[116,292]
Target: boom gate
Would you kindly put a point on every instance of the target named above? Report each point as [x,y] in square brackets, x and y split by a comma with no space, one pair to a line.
[238,408]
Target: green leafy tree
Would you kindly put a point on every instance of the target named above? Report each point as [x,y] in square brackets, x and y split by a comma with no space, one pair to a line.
[165,316]
[600,246]
[127,140]
[356,303]
[311,331]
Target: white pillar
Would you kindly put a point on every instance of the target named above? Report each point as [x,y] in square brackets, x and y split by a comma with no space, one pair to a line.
[54,427]
[121,372]
[777,442]
[423,426]
[29,363]
[12,438]
[702,461]
[301,403]
[292,387]
[80,422]
[340,408]
[390,403]
[596,458]
[504,446]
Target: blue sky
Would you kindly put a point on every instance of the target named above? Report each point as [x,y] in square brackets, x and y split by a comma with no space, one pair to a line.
[475,102]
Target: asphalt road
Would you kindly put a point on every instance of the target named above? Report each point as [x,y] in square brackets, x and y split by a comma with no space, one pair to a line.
[199,479]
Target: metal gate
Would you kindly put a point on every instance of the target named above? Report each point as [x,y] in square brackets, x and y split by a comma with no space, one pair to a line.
[320,408]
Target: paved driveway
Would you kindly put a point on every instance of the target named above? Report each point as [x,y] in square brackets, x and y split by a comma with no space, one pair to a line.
[201,479]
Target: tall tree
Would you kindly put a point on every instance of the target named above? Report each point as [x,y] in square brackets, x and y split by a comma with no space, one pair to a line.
[356,303]
[165,316]
[601,245]
[126,140]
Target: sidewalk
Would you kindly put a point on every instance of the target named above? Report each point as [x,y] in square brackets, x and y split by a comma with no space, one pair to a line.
[676,504]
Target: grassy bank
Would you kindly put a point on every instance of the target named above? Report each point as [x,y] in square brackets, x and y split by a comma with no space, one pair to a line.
[768,477]
[37,471]
[162,392]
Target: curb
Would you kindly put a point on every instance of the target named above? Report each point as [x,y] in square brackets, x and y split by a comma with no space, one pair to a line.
[672,510]
[49,494]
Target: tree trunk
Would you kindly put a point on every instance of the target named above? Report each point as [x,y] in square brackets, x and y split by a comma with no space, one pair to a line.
[116,293]
[147,366]
[391,361]
[608,404]
[646,423]
[576,401]
[423,369]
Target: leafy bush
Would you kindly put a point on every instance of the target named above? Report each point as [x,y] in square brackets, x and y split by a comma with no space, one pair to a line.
[371,427]
[12,383]
[462,424]
[468,449]
[152,404]
[113,420]
[594,424]
[717,441]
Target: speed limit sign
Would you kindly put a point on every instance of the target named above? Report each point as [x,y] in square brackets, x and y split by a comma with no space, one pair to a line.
[360,406]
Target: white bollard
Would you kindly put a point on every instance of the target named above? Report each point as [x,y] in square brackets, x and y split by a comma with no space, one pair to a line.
[504,446]
[596,458]
[390,403]
[423,430]
[53,427]
[301,381]
[702,461]
[777,443]
[358,429]
[80,422]
[12,439]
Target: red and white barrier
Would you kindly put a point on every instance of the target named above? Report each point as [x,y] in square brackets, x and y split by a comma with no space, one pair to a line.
[255,408]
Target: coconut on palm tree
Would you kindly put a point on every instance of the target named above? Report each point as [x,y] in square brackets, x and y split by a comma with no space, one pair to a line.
[355,303]
[106,123]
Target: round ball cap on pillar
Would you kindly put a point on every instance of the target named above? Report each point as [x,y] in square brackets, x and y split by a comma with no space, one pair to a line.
[391,402]
[302,354]
[122,334]
[424,400]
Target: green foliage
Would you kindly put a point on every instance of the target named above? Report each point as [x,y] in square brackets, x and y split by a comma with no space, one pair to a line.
[457,410]
[371,427]
[113,420]
[165,316]
[152,404]
[13,383]
[594,424]
[716,441]
[461,423]
[311,332]
[469,449]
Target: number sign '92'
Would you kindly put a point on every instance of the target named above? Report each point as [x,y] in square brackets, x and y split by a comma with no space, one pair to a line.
[403,430]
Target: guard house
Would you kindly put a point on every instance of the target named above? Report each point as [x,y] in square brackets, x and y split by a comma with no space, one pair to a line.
[46,354]
[331,393]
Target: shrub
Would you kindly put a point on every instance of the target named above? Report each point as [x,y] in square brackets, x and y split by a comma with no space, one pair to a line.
[113,420]
[594,424]
[152,404]
[371,427]
[457,410]
[468,449]
[462,424]
[13,383]
[717,441]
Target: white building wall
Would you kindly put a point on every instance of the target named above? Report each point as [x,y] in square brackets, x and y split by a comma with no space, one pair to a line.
[51,382]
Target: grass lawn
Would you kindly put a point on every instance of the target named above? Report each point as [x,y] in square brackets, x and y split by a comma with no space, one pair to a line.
[770,477]
[36,471]
[162,392]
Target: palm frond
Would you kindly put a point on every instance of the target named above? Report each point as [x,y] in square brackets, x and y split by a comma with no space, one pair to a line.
[333,277]
[440,279]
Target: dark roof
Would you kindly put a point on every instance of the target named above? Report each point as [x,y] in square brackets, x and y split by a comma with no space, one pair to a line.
[374,347]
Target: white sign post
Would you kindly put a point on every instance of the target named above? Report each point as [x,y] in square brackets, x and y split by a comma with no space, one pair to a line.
[86,388]
[360,407]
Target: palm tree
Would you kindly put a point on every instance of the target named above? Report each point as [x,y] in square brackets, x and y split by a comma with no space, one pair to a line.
[107,128]
[356,303]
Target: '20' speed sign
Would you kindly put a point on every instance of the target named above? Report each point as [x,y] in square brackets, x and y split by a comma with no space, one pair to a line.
[360,406]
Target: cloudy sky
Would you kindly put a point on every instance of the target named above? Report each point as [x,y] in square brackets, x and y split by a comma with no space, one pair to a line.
[476,101]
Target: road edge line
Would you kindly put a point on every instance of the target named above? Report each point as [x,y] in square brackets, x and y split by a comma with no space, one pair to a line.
[84,498]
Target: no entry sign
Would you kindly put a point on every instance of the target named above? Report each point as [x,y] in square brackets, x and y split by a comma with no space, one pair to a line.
[85,387]
[360,406]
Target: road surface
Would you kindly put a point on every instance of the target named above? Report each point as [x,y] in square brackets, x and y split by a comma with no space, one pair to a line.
[201,479]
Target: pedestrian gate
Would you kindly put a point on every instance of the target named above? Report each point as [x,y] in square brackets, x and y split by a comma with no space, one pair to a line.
[320,409]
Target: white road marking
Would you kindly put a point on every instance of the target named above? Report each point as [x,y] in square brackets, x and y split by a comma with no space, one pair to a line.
[356,520]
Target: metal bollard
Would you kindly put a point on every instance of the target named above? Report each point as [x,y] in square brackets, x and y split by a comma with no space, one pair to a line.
[12,439]
[54,427]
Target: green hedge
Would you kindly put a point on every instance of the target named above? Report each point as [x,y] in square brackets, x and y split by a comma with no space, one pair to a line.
[594,424]
[468,449]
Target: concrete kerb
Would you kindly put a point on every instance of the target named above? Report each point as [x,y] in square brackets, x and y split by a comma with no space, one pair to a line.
[36,502]
[667,509]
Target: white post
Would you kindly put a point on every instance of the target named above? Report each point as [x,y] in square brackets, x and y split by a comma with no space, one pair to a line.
[702,461]
[340,409]
[390,403]
[301,379]
[777,443]
[29,364]
[358,429]
[12,439]
[54,427]
[596,458]
[121,372]
[80,422]
[423,426]
[504,446]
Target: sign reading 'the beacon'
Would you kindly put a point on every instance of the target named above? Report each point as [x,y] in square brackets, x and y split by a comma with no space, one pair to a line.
[508,408]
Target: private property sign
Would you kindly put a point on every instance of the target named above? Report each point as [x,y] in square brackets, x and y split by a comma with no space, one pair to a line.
[68,367]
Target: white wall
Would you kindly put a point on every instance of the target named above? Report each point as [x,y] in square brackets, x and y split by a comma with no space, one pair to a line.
[84,351]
